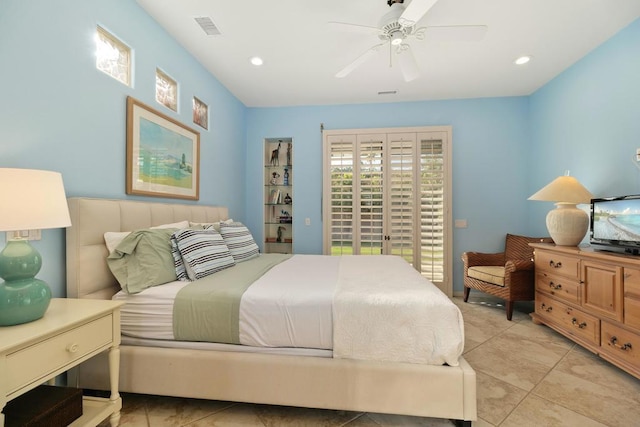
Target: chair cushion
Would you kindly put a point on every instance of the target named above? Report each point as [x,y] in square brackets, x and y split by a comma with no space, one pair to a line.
[490,273]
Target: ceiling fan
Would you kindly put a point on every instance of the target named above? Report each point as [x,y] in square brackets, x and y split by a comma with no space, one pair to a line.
[399,25]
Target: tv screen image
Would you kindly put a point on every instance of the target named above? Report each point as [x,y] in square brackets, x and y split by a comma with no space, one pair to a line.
[616,221]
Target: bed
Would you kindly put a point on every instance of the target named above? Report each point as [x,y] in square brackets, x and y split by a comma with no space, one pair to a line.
[287,376]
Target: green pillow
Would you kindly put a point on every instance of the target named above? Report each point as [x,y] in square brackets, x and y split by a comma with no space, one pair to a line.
[143,259]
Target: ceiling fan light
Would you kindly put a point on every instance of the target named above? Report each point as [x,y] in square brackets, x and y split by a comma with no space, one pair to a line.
[256,60]
[396,38]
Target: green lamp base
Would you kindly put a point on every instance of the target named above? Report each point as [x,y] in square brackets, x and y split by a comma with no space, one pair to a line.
[23,301]
[23,298]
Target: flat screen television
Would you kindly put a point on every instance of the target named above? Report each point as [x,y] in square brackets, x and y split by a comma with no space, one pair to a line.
[615,224]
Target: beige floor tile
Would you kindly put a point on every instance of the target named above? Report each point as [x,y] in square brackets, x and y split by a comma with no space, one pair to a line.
[236,416]
[130,419]
[285,416]
[536,344]
[386,420]
[482,423]
[515,368]
[173,411]
[594,388]
[537,412]
[496,398]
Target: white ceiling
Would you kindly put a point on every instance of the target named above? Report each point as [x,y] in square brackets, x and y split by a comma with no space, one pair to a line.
[302,54]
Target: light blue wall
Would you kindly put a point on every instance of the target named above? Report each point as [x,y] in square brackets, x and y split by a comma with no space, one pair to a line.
[58,112]
[587,120]
[490,158]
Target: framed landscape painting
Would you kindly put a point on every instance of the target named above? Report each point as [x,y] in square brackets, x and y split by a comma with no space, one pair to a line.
[163,155]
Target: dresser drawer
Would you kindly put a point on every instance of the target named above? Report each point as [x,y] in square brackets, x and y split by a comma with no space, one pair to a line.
[558,286]
[575,322]
[631,283]
[37,361]
[621,343]
[632,312]
[557,264]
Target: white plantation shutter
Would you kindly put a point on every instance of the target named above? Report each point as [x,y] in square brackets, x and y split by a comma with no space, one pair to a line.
[370,193]
[340,172]
[388,193]
[432,208]
[401,199]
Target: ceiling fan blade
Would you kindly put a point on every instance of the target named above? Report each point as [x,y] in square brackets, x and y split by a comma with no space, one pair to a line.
[359,61]
[415,11]
[353,28]
[456,33]
[408,64]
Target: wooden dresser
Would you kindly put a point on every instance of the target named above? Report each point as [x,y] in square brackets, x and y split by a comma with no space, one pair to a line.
[593,298]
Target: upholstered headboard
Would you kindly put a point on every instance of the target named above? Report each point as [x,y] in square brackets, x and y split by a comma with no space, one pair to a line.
[88,275]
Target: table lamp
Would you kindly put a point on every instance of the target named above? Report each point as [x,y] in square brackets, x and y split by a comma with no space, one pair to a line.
[567,225]
[29,200]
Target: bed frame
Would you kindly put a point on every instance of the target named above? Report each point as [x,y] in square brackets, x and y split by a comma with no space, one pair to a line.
[313,382]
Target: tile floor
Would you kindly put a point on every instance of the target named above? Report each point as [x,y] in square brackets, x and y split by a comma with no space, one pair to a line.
[528,375]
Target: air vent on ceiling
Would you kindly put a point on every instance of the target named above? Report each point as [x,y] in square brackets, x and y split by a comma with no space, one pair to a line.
[208,26]
[387,92]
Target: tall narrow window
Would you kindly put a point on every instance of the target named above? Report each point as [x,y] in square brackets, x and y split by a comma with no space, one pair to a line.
[113,56]
[166,90]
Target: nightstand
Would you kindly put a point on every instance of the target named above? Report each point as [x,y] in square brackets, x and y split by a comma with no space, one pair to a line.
[71,331]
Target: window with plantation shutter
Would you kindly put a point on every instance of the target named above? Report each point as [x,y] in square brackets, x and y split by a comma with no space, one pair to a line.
[386,191]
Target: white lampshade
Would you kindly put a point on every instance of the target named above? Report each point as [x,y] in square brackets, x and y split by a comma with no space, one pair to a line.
[564,189]
[32,200]
[567,225]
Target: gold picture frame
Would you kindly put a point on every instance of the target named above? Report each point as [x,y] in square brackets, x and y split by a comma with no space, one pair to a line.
[163,155]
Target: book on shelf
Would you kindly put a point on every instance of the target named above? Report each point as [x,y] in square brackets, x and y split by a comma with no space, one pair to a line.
[275,196]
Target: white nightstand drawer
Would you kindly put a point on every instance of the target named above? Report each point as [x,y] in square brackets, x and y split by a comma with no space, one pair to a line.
[36,361]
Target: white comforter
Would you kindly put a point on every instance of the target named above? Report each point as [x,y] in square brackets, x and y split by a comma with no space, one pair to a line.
[362,307]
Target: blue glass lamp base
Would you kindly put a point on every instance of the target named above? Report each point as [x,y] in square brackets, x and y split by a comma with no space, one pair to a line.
[23,301]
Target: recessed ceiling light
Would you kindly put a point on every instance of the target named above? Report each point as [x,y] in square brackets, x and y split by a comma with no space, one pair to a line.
[522,60]
[256,60]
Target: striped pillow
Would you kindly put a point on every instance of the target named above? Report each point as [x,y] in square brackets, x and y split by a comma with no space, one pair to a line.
[203,251]
[239,241]
[178,262]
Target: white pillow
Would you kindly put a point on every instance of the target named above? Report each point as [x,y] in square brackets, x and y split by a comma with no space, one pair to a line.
[113,238]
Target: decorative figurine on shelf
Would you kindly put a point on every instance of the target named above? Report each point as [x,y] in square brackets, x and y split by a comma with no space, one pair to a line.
[285,217]
[286,176]
[275,156]
[287,199]
[289,154]
[280,230]
[274,179]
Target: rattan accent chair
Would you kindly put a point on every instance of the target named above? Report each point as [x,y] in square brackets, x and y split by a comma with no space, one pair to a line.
[508,275]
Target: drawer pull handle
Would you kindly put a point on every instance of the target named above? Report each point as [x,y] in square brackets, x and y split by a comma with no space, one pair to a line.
[545,308]
[554,286]
[73,348]
[624,347]
[581,325]
[555,264]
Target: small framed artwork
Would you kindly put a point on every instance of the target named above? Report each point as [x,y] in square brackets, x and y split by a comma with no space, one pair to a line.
[200,113]
[166,90]
[163,155]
